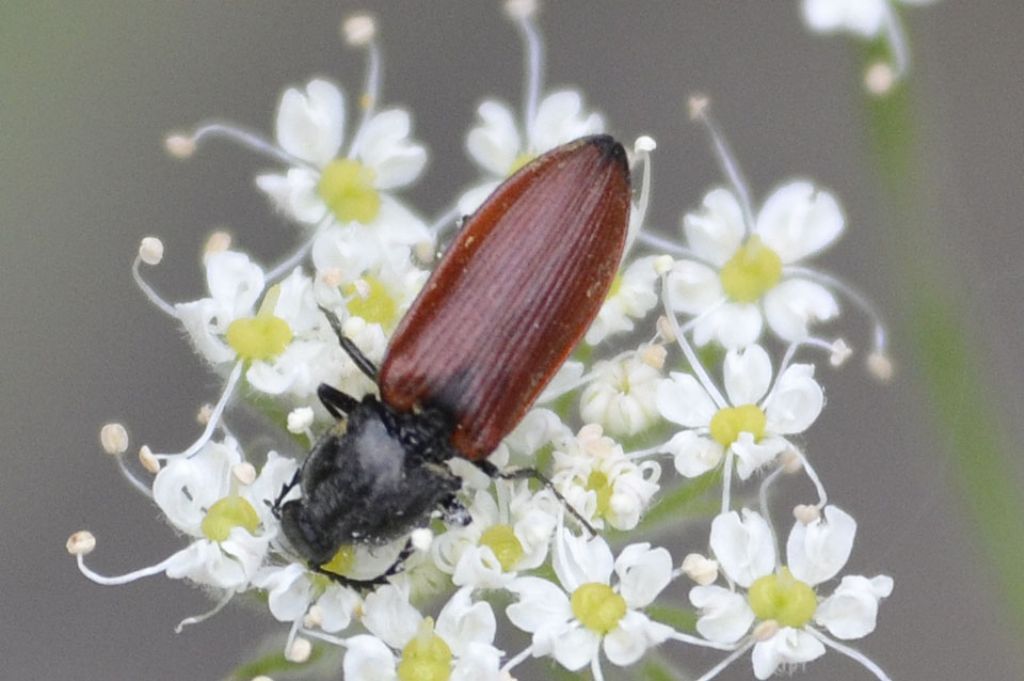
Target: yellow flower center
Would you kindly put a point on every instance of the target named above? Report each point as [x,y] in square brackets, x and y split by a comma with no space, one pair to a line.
[346,186]
[751,271]
[262,337]
[783,598]
[342,561]
[599,483]
[426,657]
[259,337]
[227,514]
[729,422]
[597,607]
[506,546]
[377,306]
[520,161]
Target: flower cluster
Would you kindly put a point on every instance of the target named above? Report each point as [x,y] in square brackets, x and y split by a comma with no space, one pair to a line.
[692,360]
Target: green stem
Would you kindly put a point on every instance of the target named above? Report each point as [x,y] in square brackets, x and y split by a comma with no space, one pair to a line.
[965,415]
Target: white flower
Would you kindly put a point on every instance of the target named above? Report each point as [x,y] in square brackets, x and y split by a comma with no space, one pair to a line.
[352,185]
[782,597]
[282,341]
[459,647]
[504,537]
[196,495]
[229,539]
[740,279]
[500,146]
[631,297]
[751,424]
[235,284]
[621,397]
[589,613]
[599,481]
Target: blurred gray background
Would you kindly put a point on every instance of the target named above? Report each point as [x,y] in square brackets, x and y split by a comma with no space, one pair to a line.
[88,90]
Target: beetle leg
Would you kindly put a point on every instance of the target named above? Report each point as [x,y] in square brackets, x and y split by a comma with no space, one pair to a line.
[350,348]
[534,474]
[335,401]
[379,580]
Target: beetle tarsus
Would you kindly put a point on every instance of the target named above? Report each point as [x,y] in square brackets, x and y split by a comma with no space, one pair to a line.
[454,512]
[350,348]
[287,487]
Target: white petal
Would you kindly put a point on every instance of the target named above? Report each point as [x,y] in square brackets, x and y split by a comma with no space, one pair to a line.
[852,610]
[462,622]
[477,662]
[293,371]
[627,643]
[563,380]
[337,604]
[385,148]
[743,547]
[278,188]
[797,221]
[716,230]
[818,551]
[681,399]
[186,487]
[277,471]
[396,224]
[694,455]
[390,616]
[794,304]
[861,17]
[310,126]
[643,573]
[751,455]
[796,401]
[576,648]
[539,426]
[205,321]
[368,659]
[725,616]
[560,118]
[295,194]
[474,197]
[540,604]
[789,646]
[748,373]
[579,561]
[694,287]
[288,590]
[495,143]
[234,281]
[733,325]
[479,568]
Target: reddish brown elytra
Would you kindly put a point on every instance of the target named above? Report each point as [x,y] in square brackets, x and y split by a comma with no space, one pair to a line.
[514,294]
[506,305]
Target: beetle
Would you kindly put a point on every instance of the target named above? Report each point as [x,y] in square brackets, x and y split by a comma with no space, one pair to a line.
[505,306]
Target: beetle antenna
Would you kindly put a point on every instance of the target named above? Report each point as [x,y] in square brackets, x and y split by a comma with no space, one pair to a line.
[350,348]
[534,474]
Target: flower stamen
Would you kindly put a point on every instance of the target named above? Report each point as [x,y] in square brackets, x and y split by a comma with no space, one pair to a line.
[700,111]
